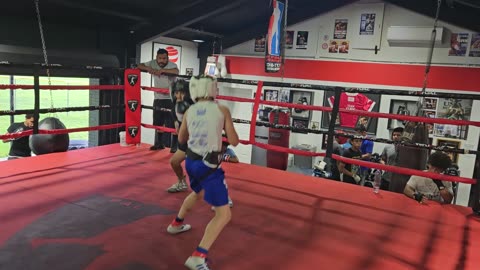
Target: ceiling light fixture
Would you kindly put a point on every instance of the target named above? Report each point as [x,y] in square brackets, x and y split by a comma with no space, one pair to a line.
[198,40]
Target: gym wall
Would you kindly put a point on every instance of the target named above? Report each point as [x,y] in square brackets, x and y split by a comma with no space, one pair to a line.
[390,67]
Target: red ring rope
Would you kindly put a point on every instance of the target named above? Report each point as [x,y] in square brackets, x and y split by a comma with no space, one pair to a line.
[257,101]
[59,131]
[155,89]
[61,87]
[405,171]
[328,109]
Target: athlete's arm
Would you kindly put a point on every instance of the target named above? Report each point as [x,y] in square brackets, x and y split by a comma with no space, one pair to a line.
[183,132]
[230,131]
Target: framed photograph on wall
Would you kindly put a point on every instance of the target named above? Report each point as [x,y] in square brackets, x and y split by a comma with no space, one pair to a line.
[450,131]
[304,98]
[300,123]
[284,96]
[430,104]
[455,109]
[363,121]
[402,107]
[352,101]
[270,95]
[450,144]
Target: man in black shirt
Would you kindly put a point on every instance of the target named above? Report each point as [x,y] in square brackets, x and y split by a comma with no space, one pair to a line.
[351,172]
[19,147]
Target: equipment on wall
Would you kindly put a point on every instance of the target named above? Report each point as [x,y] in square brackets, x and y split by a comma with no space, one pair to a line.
[302,101]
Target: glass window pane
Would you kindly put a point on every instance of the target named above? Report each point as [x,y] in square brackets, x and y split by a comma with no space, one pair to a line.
[4,120]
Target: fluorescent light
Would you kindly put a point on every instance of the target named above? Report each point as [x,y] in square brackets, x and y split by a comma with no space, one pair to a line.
[198,40]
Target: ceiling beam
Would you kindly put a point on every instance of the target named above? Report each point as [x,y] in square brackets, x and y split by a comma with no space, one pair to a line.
[306,11]
[109,12]
[200,32]
[165,26]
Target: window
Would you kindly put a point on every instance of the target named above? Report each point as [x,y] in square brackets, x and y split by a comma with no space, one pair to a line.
[24,100]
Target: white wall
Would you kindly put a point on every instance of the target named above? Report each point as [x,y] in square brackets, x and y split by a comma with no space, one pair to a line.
[322,27]
[189,60]
[240,110]
[321,30]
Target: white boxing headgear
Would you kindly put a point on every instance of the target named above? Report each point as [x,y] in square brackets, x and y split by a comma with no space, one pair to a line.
[203,87]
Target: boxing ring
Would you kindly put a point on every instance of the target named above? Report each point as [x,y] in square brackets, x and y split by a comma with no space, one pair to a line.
[106,208]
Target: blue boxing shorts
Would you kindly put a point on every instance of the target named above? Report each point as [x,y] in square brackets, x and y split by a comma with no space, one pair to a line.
[216,191]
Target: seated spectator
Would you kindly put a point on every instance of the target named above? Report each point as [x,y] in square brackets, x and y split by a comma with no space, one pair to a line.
[422,189]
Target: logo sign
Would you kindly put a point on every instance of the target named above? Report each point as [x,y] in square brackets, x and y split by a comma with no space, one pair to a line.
[132,105]
[132,79]
[133,131]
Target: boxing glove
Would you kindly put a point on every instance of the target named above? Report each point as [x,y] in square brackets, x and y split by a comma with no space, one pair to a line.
[357,178]
[182,107]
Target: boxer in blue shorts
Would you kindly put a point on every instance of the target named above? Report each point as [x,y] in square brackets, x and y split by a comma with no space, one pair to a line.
[202,128]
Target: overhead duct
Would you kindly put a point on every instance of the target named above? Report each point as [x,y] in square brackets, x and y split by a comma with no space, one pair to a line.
[414,36]
[29,56]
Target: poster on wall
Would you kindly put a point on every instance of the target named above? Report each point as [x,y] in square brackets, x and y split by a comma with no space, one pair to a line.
[338,46]
[367,24]
[343,47]
[401,107]
[289,39]
[458,44]
[271,95]
[284,96]
[353,101]
[302,40]
[174,53]
[475,45]
[430,104]
[260,44]
[304,98]
[450,131]
[333,46]
[455,109]
[300,124]
[340,31]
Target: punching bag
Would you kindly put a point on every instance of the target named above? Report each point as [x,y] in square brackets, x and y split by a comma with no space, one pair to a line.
[278,137]
[49,143]
[410,157]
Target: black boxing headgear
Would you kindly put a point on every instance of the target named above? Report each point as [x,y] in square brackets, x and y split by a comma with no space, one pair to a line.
[180,86]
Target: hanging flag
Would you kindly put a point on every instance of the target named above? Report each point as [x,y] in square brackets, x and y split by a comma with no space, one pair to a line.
[274,50]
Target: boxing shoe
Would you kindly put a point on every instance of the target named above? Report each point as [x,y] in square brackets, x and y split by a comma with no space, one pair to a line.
[196,263]
[171,229]
[178,187]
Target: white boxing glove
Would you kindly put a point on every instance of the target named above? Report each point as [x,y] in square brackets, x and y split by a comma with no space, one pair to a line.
[357,178]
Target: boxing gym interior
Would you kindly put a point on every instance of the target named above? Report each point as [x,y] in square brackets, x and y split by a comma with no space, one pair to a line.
[358,124]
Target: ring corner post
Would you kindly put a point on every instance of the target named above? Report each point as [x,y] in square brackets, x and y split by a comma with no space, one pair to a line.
[133,111]
[475,192]
[331,127]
